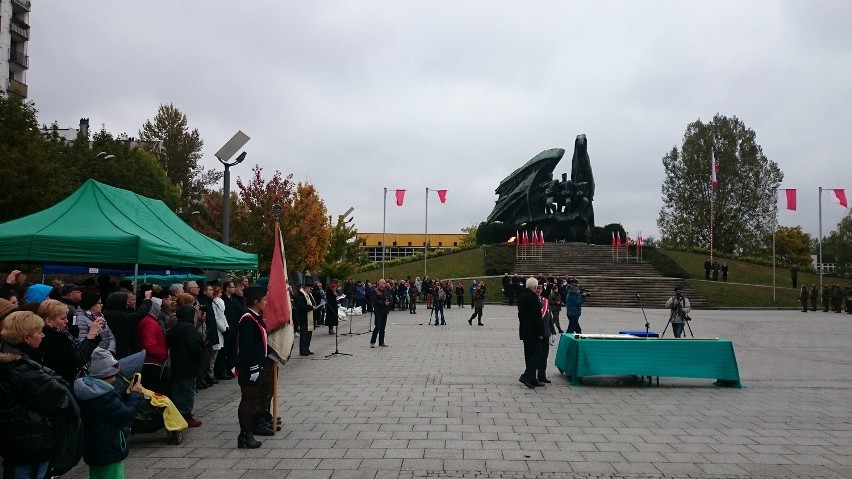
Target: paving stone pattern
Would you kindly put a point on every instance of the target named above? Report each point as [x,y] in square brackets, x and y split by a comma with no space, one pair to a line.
[446,402]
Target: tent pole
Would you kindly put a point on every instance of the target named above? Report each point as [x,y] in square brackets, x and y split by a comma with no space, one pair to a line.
[135,277]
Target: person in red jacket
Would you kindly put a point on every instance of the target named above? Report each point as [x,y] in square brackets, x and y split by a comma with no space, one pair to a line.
[151,338]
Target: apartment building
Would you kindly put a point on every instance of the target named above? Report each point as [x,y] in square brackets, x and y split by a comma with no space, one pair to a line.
[14,42]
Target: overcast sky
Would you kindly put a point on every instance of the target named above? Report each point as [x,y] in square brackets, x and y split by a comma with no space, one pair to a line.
[355,96]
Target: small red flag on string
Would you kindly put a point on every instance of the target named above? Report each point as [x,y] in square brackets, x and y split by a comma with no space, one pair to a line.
[400,197]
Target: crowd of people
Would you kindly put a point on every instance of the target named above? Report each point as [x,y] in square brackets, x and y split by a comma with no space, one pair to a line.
[62,345]
[835,298]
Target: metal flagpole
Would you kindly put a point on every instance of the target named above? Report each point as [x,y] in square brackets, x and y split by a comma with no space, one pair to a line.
[712,219]
[426,235]
[819,258]
[774,229]
[384,221]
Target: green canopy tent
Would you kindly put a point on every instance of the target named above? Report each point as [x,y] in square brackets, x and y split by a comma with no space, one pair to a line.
[101,224]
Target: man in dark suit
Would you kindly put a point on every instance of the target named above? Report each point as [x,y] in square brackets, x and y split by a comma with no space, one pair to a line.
[304,303]
[530,331]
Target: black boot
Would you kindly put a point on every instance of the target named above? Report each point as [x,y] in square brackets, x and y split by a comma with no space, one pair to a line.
[246,441]
[262,428]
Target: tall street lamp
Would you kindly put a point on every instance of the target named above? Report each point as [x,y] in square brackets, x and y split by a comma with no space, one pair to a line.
[223,155]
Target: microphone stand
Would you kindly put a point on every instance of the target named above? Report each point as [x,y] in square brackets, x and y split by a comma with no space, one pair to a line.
[647,324]
[336,350]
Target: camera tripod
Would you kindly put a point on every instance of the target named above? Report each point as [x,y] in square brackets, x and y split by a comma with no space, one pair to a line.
[677,310]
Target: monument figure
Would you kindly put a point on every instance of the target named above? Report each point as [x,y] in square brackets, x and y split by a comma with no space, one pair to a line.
[561,208]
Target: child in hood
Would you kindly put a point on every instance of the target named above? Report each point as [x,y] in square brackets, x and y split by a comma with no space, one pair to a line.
[107,409]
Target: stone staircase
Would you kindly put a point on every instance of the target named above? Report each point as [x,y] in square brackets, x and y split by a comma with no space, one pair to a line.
[612,284]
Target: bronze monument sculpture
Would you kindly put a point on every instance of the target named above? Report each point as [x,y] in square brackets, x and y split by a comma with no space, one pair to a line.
[561,208]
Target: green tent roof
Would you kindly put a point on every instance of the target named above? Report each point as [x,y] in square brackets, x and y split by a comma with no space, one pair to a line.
[102,224]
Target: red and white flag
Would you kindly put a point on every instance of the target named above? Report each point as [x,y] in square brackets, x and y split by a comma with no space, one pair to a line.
[613,238]
[790,198]
[442,195]
[714,167]
[618,240]
[278,314]
[639,240]
[400,197]
[840,198]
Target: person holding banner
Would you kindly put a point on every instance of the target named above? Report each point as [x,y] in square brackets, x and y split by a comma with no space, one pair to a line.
[251,360]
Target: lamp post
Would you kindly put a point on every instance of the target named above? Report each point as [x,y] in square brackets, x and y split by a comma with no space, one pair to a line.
[223,155]
[102,156]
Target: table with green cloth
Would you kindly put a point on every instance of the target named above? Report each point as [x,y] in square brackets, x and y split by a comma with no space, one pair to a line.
[617,355]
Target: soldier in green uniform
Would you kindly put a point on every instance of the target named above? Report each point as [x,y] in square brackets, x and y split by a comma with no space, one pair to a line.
[836,297]
[803,298]
[848,299]
[826,298]
[814,296]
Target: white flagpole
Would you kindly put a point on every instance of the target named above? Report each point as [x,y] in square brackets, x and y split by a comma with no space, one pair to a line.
[819,258]
[426,235]
[774,229]
[384,221]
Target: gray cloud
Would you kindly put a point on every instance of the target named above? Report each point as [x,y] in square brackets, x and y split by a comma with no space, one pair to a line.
[357,96]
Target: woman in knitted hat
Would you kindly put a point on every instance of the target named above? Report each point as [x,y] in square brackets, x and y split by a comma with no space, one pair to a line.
[90,312]
[30,394]
[61,351]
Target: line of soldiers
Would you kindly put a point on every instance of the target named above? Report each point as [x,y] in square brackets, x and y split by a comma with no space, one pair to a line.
[833,298]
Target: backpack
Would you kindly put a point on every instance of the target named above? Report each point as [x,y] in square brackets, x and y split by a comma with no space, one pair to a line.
[68,447]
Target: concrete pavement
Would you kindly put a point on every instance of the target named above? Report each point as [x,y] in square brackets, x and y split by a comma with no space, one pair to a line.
[446,402]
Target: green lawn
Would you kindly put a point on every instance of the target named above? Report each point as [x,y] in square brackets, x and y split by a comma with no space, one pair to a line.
[749,285]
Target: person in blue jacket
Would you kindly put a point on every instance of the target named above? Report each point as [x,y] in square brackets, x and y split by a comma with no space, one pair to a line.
[107,409]
[574,307]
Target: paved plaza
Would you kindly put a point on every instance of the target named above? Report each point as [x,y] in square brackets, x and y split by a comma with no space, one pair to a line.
[446,402]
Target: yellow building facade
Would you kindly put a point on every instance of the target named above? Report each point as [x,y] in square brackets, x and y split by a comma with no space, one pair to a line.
[397,245]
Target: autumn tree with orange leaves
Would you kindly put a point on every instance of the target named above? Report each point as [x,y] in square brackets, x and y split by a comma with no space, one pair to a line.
[304,224]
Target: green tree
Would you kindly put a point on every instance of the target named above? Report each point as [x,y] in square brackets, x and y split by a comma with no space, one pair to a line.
[793,246]
[839,242]
[469,238]
[31,162]
[132,169]
[178,150]
[344,254]
[745,196]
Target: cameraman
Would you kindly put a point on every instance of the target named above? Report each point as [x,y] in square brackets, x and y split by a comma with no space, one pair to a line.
[679,306]
[574,307]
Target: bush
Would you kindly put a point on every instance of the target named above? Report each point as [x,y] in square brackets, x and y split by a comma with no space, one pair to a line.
[494,233]
[499,259]
[665,264]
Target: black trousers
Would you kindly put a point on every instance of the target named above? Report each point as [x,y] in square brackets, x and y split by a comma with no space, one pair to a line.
[542,358]
[532,351]
[304,338]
